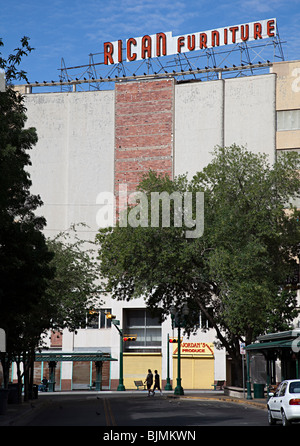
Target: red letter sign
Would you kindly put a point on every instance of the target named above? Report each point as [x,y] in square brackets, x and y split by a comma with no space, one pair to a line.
[146,47]
[108,52]
[130,56]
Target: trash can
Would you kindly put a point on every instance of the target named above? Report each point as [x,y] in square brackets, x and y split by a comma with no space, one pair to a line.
[259,390]
[13,397]
[3,401]
[35,392]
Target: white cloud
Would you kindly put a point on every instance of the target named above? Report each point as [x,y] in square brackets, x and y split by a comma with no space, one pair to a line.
[262,6]
[134,18]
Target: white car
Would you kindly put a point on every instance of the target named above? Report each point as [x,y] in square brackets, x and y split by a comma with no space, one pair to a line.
[284,404]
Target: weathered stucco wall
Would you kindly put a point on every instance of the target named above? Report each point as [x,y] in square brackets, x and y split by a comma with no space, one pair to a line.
[223,112]
[73,160]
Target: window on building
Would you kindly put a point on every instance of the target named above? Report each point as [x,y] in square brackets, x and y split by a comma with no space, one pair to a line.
[97,319]
[92,319]
[139,322]
[204,322]
[288,120]
[104,322]
[279,152]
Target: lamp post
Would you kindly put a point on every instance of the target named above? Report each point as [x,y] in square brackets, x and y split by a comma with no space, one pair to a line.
[123,338]
[116,322]
[121,386]
[168,384]
[249,397]
[178,320]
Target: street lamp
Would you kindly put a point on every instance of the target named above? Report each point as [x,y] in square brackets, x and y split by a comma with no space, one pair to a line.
[179,320]
[168,384]
[116,322]
[123,338]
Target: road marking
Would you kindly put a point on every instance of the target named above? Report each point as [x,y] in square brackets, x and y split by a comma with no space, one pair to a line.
[109,417]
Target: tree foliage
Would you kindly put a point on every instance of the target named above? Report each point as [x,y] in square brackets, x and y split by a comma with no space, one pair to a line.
[235,274]
[11,64]
[75,287]
[24,256]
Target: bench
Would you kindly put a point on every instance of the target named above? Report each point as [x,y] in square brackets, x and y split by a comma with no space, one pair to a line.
[220,384]
[139,384]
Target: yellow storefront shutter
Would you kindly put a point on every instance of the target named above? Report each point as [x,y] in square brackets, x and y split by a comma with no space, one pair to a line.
[197,365]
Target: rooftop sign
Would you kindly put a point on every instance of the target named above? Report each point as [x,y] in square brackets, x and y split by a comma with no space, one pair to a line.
[165,44]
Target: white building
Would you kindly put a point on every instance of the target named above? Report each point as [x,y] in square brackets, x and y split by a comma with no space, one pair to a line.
[90,142]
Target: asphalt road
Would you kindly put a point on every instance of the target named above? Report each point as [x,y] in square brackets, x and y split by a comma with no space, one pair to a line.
[132,411]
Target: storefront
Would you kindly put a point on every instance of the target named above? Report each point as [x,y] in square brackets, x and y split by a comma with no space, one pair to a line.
[197,364]
[136,367]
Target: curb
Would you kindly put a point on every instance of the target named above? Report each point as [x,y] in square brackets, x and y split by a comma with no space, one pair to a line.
[259,404]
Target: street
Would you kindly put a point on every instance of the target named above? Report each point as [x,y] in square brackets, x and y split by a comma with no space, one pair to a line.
[139,410]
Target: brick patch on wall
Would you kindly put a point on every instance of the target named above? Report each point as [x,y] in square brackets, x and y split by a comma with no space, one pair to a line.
[143,130]
[56,339]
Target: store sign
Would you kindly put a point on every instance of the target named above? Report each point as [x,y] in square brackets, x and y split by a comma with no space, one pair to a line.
[195,348]
[165,44]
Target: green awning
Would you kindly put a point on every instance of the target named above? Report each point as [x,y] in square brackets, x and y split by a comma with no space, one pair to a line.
[282,340]
[270,345]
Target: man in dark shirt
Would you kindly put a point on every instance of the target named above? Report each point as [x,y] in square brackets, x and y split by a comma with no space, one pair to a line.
[156,383]
[149,381]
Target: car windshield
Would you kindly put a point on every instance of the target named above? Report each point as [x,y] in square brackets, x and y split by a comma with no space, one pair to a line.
[295,387]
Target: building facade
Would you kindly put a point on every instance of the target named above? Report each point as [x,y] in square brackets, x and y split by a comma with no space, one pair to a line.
[91,142]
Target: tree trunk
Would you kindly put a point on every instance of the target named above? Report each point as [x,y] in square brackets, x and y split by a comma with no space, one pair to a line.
[19,375]
[5,367]
[237,371]
[31,378]
[26,379]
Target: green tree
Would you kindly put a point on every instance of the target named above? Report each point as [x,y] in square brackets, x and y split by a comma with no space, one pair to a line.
[24,256]
[75,287]
[235,273]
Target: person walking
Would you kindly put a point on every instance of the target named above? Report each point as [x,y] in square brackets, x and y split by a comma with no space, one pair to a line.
[149,381]
[156,383]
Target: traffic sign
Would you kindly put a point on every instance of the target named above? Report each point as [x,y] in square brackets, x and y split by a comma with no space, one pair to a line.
[242,348]
[2,341]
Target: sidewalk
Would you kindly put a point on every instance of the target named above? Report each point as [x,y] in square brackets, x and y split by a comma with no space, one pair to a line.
[16,412]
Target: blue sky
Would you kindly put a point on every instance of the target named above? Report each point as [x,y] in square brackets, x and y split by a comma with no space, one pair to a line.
[72,29]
